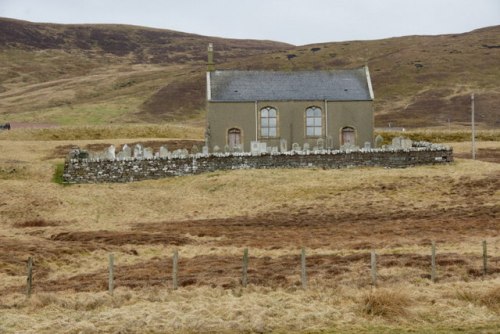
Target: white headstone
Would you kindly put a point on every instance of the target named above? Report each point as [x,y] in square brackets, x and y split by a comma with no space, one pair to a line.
[283,145]
[216,149]
[367,146]
[306,147]
[148,153]
[163,152]
[295,147]
[262,147]
[109,154]
[138,151]
[127,151]
[321,144]
[254,147]
[205,149]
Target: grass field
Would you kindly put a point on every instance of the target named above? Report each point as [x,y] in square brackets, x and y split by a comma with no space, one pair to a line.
[339,216]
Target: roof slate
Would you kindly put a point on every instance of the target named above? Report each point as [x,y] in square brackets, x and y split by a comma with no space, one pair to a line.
[342,85]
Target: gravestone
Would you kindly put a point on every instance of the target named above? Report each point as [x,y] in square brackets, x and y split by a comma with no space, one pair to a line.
[227,149]
[238,148]
[396,142]
[274,149]
[148,153]
[262,147]
[321,144]
[329,142]
[138,151]
[379,140]
[110,152]
[127,151]
[216,149]
[295,147]
[283,145]
[195,150]
[254,147]
[368,145]
[306,147]
[163,152]
[204,150]
[184,153]
[406,143]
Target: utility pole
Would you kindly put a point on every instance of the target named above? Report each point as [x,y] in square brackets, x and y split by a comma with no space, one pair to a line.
[473,128]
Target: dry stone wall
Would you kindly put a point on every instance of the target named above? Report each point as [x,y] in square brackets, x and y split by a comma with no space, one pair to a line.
[79,168]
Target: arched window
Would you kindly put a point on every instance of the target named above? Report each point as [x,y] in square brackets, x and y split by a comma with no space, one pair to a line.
[268,122]
[314,122]
[234,138]
[348,136]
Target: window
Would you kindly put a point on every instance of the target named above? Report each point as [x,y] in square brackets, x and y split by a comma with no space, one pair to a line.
[314,120]
[268,122]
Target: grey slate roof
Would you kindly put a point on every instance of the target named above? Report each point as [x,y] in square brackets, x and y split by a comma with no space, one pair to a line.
[342,85]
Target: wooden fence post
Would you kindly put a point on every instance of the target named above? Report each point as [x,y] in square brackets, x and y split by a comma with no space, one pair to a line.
[433,262]
[485,258]
[374,267]
[29,279]
[175,261]
[303,273]
[111,274]
[244,279]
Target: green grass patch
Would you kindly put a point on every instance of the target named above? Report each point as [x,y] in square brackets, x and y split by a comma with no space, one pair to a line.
[58,174]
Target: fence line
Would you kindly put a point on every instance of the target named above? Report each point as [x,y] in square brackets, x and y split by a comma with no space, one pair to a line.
[245,263]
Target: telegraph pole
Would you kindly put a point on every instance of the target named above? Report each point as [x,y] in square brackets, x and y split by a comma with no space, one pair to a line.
[473,128]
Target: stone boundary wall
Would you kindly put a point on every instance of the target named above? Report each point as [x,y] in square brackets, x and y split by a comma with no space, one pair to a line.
[82,170]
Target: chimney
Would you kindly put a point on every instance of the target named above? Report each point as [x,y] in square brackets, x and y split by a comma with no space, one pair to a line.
[210,64]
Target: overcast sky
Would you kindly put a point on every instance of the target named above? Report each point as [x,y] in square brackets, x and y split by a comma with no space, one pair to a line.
[293,21]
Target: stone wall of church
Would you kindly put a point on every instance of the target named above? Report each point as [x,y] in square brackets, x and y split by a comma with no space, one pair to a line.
[79,169]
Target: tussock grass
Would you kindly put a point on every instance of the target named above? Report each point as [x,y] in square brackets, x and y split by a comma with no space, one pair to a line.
[388,303]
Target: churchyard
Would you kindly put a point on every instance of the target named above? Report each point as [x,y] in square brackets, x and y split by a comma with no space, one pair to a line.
[338,217]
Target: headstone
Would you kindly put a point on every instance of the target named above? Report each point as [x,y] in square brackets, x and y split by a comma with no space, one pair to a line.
[216,149]
[238,148]
[254,147]
[204,150]
[148,153]
[406,143]
[274,149]
[306,147]
[163,152]
[138,154]
[227,149]
[379,140]
[109,154]
[329,142]
[368,145]
[262,147]
[127,151]
[283,145]
[321,144]
[295,147]
[396,142]
[184,153]
[194,149]
[120,156]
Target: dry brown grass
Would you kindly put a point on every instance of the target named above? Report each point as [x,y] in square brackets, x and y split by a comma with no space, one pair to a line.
[338,215]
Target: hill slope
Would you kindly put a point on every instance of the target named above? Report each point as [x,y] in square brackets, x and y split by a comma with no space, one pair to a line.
[95,74]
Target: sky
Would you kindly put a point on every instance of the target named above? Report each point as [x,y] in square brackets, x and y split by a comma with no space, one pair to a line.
[296,22]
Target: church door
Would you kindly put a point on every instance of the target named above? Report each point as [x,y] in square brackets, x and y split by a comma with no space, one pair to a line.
[234,137]
[348,136]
